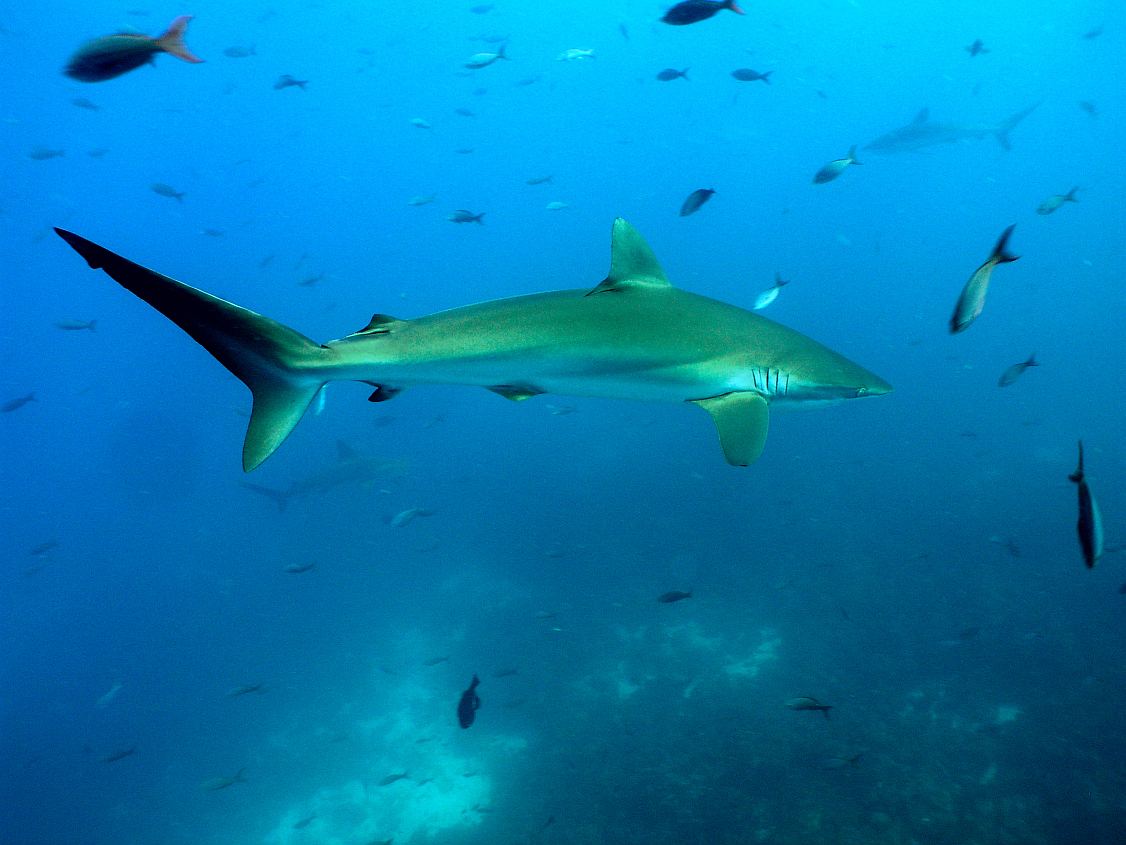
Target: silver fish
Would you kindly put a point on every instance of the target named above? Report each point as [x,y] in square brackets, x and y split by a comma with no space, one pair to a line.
[1016,370]
[972,299]
[771,293]
[835,168]
[482,60]
[1054,202]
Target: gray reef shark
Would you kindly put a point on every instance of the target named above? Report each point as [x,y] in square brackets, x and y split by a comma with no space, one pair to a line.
[633,336]
[350,468]
[922,132]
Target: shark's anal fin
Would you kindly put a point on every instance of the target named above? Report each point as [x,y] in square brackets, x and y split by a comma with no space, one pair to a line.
[742,420]
[515,392]
[632,262]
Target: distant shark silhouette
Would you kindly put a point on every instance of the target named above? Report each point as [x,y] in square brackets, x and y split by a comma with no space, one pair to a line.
[350,468]
[922,132]
[633,336]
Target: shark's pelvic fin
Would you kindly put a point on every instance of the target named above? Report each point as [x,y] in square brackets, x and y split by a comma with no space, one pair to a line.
[516,392]
[273,360]
[742,420]
[632,262]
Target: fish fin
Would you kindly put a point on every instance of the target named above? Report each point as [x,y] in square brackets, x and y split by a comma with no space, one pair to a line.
[742,420]
[1009,123]
[172,41]
[1000,256]
[279,497]
[515,392]
[632,262]
[271,359]
[1077,476]
[379,324]
[922,117]
[1070,195]
[383,392]
[1032,362]
[852,155]
[730,4]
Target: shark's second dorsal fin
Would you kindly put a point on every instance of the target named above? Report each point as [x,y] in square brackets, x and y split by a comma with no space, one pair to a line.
[922,117]
[379,324]
[632,262]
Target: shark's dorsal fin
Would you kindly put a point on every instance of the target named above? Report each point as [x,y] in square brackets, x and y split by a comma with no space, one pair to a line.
[515,392]
[922,117]
[379,324]
[742,420]
[632,262]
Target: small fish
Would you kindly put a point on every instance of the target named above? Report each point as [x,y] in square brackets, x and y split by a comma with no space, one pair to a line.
[240,52]
[17,403]
[419,123]
[745,74]
[464,216]
[1089,107]
[1092,34]
[977,48]
[556,206]
[771,293]
[469,704]
[435,661]
[298,568]
[167,191]
[669,74]
[482,60]
[1016,370]
[482,9]
[694,200]
[305,822]
[395,778]
[1053,202]
[265,262]
[215,784]
[45,153]
[246,689]
[309,281]
[422,199]
[624,30]
[575,54]
[694,11]
[286,81]
[464,151]
[972,299]
[807,703]
[76,325]
[83,103]
[43,548]
[465,112]
[538,180]
[674,596]
[833,763]
[109,696]
[97,153]
[1090,524]
[112,55]
[836,167]
[507,672]
[120,755]
[406,517]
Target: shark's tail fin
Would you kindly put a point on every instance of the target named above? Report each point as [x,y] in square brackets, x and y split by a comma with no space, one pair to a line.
[282,367]
[1009,123]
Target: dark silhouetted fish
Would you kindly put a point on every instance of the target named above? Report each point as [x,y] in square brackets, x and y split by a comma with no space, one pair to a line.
[298,568]
[673,596]
[694,11]
[16,404]
[694,200]
[972,299]
[922,132]
[669,74]
[468,705]
[745,74]
[395,778]
[76,325]
[305,822]
[218,783]
[45,153]
[246,689]
[83,103]
[806,703]
[977,48]
[833,763]
[240,52]
[120,755]
[1090,524]
[1054,202]
[43,548]
[1089,107]
[464,216]
[167,191]
[113,55]
[286,81]
[538,180]
[1016,370]
[435,661]
[835,168]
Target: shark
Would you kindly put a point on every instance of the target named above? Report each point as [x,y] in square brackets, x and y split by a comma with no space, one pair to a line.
[922,132]
[632,336]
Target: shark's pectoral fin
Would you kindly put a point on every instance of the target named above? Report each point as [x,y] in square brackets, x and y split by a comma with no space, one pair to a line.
[632,262]
[515,392]
[742,420]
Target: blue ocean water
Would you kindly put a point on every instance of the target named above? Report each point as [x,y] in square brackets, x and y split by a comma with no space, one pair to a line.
[910,560]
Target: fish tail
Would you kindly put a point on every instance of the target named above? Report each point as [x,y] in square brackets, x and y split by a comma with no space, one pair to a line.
[1070,195]
[1077,476]
[730,4]
[283,368]
[1009,124]
[684,73]
[825,710]
[1000,255]
[93,325]
[851,152]
[1032,362]
[480,218]
[172,41]
[766,78]
[501,54]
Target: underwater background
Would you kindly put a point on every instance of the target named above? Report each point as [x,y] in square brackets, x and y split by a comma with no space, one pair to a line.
[173,670]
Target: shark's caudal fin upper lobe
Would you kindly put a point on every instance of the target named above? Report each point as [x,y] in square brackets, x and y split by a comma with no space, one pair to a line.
[278,364]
